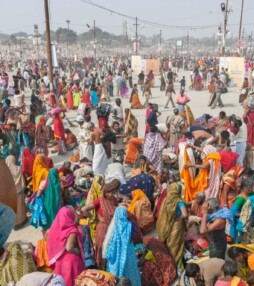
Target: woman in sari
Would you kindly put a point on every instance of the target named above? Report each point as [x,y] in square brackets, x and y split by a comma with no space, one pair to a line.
[40,171]
[42,135]
[244,91]
[119,250]
[18,178]
[229,275]
[50,190]
[59,127]
[134,99]
[171,226]
[85,146]
[69,97]
[86,96]
[131,125]
[240,205]
[105,208]
[248,118]
[27,161]
[64,245]
[140,207]
[149,109]
[144,182]
[15,263]
[161,273]
[228,186]
[133,150]
[94,194]
[208,179]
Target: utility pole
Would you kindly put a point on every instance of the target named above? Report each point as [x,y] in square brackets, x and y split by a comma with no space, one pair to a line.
[36,31]
[49,55]
[136,36]
[160,42]
[126,38]
[226,11]
[68,33]
[94,39]
[241,22]
[188,42]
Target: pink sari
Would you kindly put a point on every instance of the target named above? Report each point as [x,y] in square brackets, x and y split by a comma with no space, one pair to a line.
[63,263]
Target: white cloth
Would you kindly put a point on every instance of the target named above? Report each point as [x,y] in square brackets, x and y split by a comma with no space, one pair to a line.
[115,171]
[100,160]
[241,136]
[182,147]
[41,279]
[85,149]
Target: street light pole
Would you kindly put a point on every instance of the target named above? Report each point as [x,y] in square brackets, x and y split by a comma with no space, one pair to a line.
[240,26]
[94,39]
[49,55]
[225,29]
[68,26]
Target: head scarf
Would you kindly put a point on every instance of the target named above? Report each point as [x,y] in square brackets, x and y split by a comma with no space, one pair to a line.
[16,173]
[220,213]
[51,197]
[27,159]
[137,195]
[167,214]
[40,171]
[115,245]
[63,225]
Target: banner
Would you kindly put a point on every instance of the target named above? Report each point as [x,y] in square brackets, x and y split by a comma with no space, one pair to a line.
[143,65]
[153,65]
[136,64]
[54,56]
[235,66]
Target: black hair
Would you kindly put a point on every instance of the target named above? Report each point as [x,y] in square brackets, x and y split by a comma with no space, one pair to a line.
[143,158]
[188,135]
[234,252]
[124,281]
[225,134]
[191,270]
[230,268]
[248,172]
[246,183]
[66,131]
[114,123]
[223,113]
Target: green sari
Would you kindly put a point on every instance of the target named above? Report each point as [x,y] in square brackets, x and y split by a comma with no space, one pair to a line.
[51,197]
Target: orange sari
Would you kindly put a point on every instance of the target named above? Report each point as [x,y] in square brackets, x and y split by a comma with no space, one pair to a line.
[132,150]
[201,182]
[135,103]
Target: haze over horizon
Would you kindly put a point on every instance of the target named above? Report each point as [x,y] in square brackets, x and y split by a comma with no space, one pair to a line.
[180,13]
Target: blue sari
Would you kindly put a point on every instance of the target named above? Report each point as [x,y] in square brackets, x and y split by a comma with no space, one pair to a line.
[94,98]
[119,250]
[144,182]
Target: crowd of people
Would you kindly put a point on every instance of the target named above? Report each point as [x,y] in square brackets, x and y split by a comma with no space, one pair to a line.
[184,214]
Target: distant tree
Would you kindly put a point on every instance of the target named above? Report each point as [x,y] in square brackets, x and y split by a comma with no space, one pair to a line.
[13,39]
[64,35]
[20,34]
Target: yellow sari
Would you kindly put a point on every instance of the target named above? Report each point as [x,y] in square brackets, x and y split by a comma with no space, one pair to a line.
[94,193]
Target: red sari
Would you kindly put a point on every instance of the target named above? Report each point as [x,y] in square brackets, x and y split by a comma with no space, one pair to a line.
[86,99]
[249,121]
[69,98]
[58,128]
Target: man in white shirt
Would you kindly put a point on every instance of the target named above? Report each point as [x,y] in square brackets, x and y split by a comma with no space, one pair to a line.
[241,142]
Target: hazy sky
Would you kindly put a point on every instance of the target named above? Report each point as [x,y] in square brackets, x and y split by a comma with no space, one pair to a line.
[17,15]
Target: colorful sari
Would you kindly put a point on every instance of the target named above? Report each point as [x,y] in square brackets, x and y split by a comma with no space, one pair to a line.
[208,180]
[131,125]
[230,179]
[66,264]
[27,161]
[58,128]
[16,265]
[132,152]
[135,102]
[161,273]
[118,249]
[188,118]
[95,277]
[144,182]
[170,231]
[42,135]
[40,171]
[94,193]
[51,198]
[141,207]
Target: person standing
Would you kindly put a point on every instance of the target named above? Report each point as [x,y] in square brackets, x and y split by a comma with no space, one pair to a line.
[218,85]
[169,91]
[175,123]
[152,118]
[147,93]
[130,72]
[241,142]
